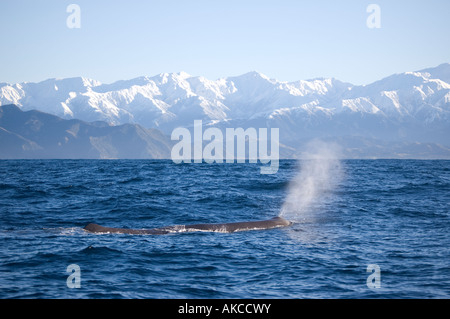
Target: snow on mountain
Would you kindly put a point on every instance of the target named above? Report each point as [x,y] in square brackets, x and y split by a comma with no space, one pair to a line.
[410,96]
[168,100]
[441,72]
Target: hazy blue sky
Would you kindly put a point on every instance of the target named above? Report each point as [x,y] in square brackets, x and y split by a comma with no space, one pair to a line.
[286,40]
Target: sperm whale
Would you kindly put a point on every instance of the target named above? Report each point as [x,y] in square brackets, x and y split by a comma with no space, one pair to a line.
[223,228]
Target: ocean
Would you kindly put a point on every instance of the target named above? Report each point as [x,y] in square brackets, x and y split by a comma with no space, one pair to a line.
[362,229]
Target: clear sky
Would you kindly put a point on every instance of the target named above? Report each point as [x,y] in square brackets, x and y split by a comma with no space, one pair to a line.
[284,39]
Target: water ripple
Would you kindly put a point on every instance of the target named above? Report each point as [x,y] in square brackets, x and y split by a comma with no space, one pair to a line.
[391,213]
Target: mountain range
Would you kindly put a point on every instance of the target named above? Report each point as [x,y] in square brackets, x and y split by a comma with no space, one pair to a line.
[34,134]
[403,115]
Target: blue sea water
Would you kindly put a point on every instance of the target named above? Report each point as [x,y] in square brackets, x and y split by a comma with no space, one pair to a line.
[391,213]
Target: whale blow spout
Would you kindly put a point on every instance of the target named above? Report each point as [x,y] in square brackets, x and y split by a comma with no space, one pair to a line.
[275,222]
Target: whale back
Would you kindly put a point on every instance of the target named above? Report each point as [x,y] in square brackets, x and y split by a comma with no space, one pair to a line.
[224,228]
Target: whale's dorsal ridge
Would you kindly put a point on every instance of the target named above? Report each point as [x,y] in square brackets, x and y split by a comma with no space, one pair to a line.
[226,227]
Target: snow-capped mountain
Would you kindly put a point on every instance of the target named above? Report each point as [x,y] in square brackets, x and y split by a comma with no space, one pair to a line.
[411,105]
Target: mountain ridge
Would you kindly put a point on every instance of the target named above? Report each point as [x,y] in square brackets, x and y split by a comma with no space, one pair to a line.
[161,101]
[35,134]
[409,107]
